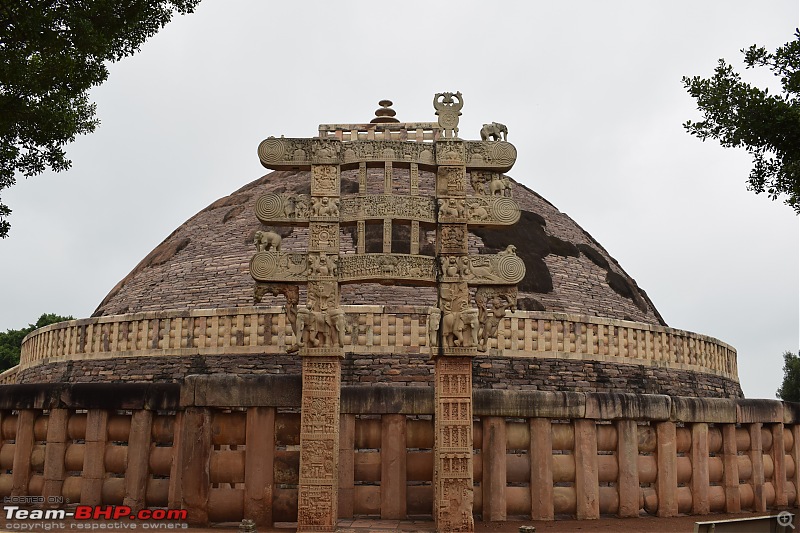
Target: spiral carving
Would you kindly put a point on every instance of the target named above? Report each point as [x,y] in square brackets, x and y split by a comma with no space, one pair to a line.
[263,266]
[511,268]
[269,207]
[502,153]
[504,210]
[272,150]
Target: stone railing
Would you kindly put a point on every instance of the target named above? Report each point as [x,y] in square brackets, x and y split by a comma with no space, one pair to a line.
[221,448]
[374,330]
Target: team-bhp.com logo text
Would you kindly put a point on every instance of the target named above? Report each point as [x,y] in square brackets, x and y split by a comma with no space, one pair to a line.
[90,517]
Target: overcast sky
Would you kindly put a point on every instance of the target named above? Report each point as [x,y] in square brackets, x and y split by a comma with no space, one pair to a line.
[591,93]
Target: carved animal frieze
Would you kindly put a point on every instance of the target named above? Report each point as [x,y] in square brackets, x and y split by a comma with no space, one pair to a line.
[324,208]
[452,210]
[322,265]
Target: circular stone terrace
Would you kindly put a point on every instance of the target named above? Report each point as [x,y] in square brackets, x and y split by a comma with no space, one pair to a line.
[535,350]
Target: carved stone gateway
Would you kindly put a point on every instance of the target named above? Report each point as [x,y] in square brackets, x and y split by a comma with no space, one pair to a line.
[457,329]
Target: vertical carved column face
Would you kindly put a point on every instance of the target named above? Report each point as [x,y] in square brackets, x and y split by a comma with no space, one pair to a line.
[319,444]
[453,458]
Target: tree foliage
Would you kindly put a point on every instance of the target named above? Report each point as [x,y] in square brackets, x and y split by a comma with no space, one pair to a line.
[768,125]
[11,340]
[51,53]
[790,388]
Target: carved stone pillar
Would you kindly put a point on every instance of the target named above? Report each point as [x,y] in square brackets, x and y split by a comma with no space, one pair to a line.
[322,333]
[319,444]
[452,470]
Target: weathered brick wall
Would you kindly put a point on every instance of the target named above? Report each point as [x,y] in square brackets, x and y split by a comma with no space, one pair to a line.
[403,370]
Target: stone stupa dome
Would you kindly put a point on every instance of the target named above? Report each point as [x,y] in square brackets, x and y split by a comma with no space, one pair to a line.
[191,306]
[204,263]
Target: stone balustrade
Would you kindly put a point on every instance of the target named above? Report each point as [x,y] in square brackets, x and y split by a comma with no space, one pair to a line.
[224,448]
[374,330]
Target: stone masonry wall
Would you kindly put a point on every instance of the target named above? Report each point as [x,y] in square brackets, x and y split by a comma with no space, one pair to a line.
[403,370]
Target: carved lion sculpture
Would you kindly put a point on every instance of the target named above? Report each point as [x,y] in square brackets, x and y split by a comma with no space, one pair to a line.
[494,130]
[266,240]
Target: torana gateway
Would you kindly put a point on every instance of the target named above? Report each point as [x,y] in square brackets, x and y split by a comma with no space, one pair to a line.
[389,326]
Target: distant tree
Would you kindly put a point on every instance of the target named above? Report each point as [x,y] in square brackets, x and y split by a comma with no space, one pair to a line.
[767,125]
[790,388]
[11,340]
[51,53]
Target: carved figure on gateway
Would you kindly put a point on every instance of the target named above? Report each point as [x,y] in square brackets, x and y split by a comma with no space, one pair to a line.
[265,240]
[494,130]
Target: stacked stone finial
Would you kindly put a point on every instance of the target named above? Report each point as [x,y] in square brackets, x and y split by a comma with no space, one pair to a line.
[469,191]
[384,114]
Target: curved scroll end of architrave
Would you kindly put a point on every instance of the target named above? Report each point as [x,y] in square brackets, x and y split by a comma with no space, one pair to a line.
[285,154]
[393,267]
[495,130]
[499,156]
[504,268]
[279,266]
[272,208]
[492,211]
[493,302]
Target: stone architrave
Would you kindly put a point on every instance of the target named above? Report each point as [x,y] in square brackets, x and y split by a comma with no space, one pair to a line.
[457,329]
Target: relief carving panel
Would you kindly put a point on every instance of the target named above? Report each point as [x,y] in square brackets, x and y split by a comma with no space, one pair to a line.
[381,206]
[387,266]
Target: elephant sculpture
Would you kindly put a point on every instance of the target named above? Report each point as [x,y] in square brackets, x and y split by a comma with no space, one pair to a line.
[336,322]
[499,185]
[494,130]
[266,240]
[460,328]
